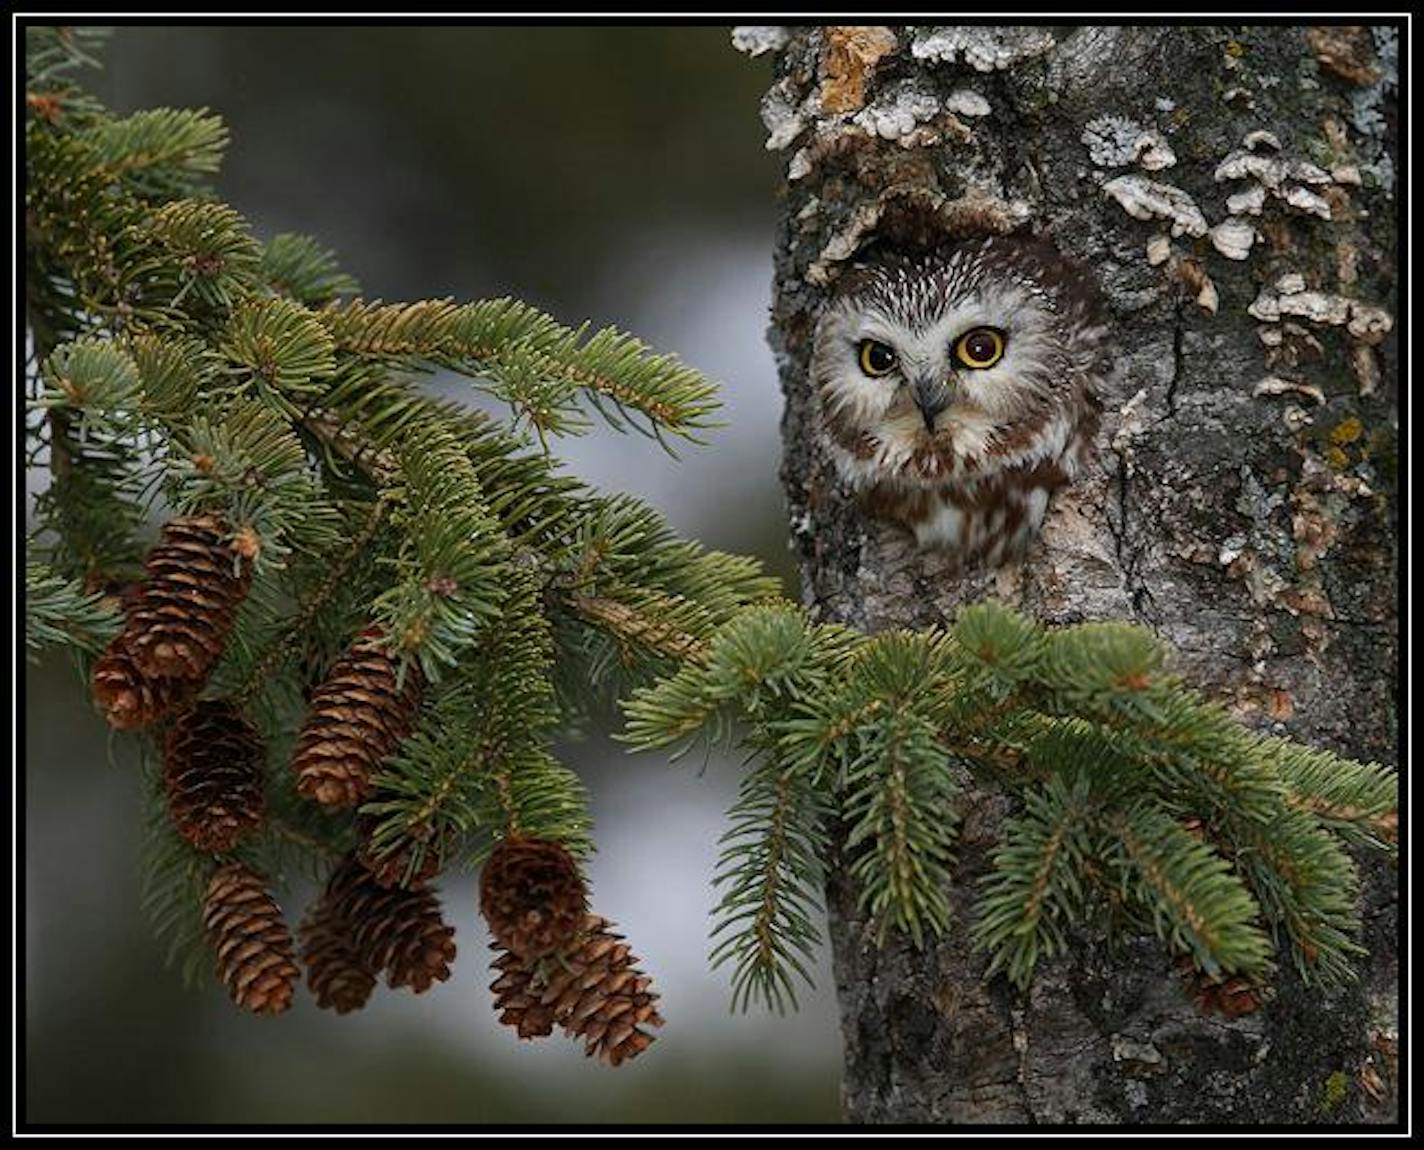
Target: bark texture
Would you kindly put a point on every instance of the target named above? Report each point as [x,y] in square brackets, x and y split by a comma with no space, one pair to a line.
[1233,190]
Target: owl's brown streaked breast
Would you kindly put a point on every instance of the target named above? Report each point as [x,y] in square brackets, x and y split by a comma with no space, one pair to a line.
[993,520]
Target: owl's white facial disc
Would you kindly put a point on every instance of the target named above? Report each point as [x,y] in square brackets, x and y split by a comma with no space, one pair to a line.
[923,333]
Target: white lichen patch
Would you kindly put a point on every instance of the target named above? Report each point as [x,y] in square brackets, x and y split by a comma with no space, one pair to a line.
[985,49]
[1276,385]
[756,39]
[1153,152]
[1111,141]
[1369,324]
[783,115]
[1270,171]
[1247,203]
[1233,238]
[1116,142]
[1145,199]
[964,102]
[1260,140]
[1307,201]
[1158,249]
[1290,180]
[1289,297]
[897,113]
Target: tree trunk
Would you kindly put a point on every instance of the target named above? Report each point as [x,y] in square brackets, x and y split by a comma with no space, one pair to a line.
[1242,502]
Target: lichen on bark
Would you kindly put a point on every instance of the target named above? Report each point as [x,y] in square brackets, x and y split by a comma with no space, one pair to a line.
[1243,501]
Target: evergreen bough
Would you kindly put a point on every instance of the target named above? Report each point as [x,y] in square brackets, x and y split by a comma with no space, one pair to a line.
[179,365]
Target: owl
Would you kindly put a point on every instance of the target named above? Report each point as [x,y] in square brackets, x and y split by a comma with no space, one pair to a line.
[957,391]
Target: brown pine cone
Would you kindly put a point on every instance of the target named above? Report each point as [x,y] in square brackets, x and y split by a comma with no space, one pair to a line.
[356,718]
[335,972]
[129,698]
[516,997]
[184,610]
[396,864]
[212,772]
[533,896]
[400,932]
[592,990]
[249,940]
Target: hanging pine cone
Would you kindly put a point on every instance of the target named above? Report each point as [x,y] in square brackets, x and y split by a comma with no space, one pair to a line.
[516,996]
[533,896]
[410,861]
[592,989]
[249,940]
[196,578]
[129,698]
[356,719]
[335,972]
[212,772]
[400,932]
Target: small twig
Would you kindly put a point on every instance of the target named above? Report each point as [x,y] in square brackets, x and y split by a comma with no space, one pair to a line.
[630,624]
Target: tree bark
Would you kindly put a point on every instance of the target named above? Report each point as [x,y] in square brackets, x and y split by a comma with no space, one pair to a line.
[1242,503]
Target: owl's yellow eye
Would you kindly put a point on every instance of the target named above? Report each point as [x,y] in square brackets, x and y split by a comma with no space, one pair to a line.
[980,348]
[876,358]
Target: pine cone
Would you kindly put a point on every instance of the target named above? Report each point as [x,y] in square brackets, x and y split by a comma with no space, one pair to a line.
[532,896]
[182,614]
[249,940]
[212,771]
[396,865]
[516,997]
[400,932]
[592,990]
[129,698]
[356,719]
[335,972]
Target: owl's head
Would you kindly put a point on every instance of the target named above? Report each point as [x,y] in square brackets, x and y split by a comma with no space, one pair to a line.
[970,359]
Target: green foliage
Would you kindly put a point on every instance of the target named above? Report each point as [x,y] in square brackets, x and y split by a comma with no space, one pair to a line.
[60,611]
[535,364]
[770,876]
[1142,806]
[163,152]
[179,364]
[301,269]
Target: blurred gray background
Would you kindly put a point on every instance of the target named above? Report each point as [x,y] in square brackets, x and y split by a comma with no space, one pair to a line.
[613,174]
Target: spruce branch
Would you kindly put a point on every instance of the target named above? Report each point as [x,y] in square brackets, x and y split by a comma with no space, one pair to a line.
[769,873]
[161,153]
[1196,903]
[1036,889]
[298,267]
[60,611]
[532,362]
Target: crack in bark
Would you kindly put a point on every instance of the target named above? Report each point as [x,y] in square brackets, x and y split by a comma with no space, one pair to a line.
[1178,360]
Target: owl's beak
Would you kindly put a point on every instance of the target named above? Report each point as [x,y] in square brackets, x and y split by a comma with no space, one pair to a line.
[931,397]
